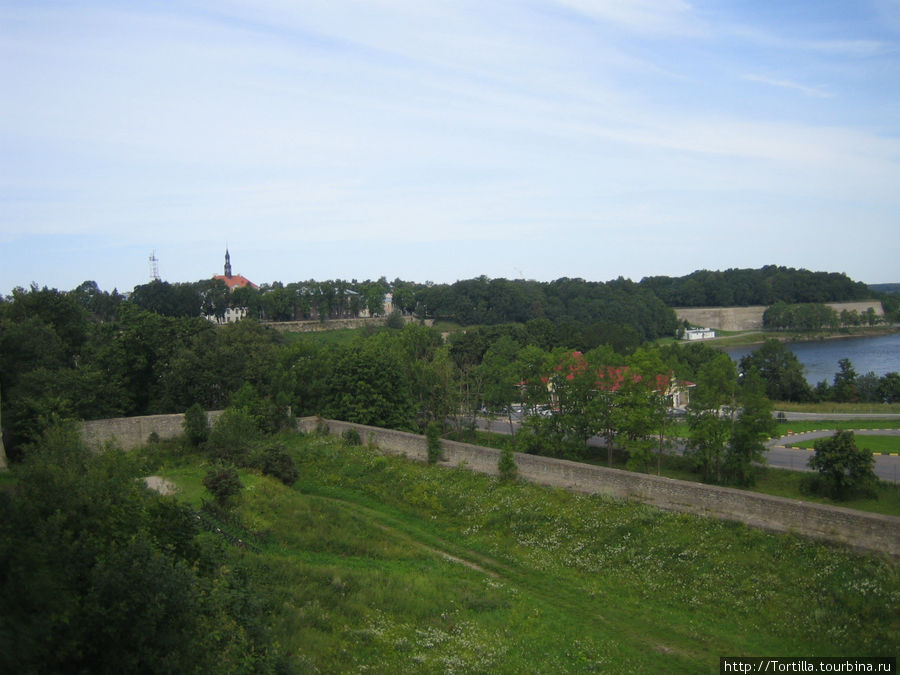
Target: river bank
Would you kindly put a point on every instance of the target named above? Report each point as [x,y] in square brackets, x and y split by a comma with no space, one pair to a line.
[753,338]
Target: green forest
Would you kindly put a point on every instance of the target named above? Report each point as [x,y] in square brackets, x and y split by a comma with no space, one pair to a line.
[241,573]
[591,359]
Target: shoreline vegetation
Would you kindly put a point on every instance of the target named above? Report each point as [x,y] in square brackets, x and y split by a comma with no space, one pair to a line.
[757,337]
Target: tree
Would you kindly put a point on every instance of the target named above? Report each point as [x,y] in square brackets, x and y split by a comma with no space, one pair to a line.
[506,465]
[711,415]
[843,469]
[781,370]
[889,388]
[99,574]
[752,428]
[3,463]
[196,425]
[498,367]
[844,389]
[223,483]
[433,442]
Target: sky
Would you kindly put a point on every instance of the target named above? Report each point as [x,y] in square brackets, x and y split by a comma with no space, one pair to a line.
[446,139]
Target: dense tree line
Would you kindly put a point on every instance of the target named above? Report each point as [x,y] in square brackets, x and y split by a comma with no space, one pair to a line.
[85,354]
[784,379]
[764,286]
[815,316]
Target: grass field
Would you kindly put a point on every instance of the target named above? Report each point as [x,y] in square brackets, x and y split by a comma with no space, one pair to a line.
[374,563]
[876,444]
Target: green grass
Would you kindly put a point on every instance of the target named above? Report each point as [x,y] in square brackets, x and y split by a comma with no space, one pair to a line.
[376,563]
[877,444]
[828,407]
[783,428]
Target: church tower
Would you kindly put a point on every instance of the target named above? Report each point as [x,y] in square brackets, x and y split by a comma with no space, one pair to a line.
[227,264]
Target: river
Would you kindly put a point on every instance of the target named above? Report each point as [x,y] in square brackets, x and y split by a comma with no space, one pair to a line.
[879,355]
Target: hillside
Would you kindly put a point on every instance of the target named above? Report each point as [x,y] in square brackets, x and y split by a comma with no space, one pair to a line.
[376,563]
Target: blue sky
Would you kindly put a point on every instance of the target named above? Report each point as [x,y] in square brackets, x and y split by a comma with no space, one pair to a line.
[442,140]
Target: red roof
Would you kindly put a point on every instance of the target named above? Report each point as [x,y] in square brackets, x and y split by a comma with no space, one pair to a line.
[611,378]
[235,281]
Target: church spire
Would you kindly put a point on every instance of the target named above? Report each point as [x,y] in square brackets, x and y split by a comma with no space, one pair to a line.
[227,264]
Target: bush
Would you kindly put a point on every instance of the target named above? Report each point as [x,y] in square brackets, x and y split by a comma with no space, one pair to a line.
[843,469]
[195,425]
[276,462]
[232,435]
[351,437]
[433,440]
[223,483]
[507,464]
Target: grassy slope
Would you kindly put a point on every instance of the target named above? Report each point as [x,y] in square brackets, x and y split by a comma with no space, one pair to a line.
[359,559]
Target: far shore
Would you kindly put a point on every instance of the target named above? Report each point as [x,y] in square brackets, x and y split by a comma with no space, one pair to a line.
[757,337]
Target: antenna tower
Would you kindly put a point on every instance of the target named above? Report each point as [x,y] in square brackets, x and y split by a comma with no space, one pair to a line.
[154,267]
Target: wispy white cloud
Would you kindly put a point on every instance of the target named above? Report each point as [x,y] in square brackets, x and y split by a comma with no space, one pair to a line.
[815,92]
[391,121]
[651,16]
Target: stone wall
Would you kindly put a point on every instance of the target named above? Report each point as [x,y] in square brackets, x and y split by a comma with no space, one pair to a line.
[751,318]
[132,432]
[315,326]
[855,528]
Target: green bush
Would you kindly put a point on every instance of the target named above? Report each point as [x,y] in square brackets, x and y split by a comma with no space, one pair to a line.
[276,462]
[223,483]
[844,470]
[351,437]
[232,436]
[433,440]
[195,425]
[507,464]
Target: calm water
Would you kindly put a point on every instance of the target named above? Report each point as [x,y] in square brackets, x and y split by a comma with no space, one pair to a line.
[879,355]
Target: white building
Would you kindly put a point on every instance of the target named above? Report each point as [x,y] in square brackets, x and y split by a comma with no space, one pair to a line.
[699,333]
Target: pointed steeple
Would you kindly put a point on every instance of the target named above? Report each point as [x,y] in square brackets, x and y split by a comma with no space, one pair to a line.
[227,264]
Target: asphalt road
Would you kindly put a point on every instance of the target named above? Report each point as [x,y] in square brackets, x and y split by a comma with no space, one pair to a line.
[887,467]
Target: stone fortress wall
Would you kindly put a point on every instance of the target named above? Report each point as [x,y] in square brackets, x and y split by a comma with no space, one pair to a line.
[751,318]
[855,528]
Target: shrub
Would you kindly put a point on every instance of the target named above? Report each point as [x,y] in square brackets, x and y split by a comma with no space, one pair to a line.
[232,435]
[223,483]
[276,462]
[195,425]
[433,440]
[843,469]
[507,464]
[351,437]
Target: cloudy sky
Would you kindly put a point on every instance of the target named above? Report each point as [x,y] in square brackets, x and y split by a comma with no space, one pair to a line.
[445,139]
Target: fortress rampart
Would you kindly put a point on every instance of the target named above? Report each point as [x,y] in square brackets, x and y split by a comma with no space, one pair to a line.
[855,528]
[751,318]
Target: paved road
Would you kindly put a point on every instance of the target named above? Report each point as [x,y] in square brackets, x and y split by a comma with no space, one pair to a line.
[887,467]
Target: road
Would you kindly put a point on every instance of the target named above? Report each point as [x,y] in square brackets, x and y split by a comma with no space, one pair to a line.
[887,467]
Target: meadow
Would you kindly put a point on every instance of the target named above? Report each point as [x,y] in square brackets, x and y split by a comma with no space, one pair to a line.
[375,563]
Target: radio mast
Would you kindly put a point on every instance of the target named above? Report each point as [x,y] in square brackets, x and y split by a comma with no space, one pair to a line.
[154,267]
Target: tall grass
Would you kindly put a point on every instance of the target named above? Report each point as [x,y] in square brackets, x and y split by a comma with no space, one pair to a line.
[380,564]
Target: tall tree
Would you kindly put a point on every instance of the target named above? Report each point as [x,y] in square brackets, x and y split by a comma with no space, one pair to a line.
[711,415]
[752,428]
[781,370]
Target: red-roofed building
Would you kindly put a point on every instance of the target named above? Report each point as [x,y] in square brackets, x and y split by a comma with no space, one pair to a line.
[611,378]
[232,281]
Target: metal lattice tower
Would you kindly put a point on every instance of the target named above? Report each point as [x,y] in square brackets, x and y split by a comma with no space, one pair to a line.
[154,267]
